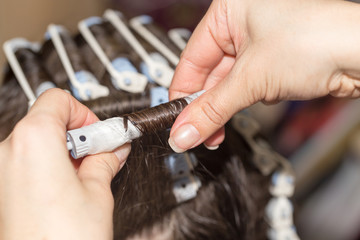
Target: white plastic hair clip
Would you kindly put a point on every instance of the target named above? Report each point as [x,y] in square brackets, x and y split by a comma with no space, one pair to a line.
[123,74]
[279,213]
[105,136]
[282,184]
[159,95]
[84,84]
[156,57]
[160,72]
[283,234]
[179,36]
[10,47]
[185,183]
[279,210]
[138,24]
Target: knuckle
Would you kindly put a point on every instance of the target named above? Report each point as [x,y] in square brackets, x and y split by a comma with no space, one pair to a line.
[30,128]
[343,86]
[23,129]
[55,92]
[213,113]
[21,136]
[107,164]
[110,165]
[193,63]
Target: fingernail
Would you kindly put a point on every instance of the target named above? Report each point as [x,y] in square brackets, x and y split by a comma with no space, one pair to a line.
[211,147]
[184,138]
[122,152]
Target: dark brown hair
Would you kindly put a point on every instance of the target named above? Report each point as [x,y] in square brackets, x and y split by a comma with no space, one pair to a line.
[159,118]
[32,67]
[145,205]
[118,104]
[13,104]
[13,101]
[53,65]
[229,205]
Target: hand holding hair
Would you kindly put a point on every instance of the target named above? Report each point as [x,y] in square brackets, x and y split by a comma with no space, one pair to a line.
[107,135]
[43,196]
[247,51]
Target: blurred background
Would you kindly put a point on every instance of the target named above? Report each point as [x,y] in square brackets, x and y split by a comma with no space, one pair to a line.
[321,138]
[29,19]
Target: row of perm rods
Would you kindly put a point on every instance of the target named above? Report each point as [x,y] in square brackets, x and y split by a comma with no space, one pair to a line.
[107,135]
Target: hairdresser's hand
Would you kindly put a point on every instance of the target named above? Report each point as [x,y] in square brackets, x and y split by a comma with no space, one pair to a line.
[42,195]
[245,51]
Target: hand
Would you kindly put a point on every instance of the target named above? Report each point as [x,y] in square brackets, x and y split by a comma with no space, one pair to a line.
[245,51]
[42,195]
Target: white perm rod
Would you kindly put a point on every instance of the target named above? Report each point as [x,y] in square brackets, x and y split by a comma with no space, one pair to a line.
[105,136]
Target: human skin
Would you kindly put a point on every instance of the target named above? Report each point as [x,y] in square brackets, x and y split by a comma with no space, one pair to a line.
[44,194]
[246,51]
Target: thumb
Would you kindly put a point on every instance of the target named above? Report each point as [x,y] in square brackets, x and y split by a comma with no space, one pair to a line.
[97,171]
[208,113]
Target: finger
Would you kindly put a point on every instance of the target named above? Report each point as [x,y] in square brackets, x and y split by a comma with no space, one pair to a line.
[345,86]
[41,135]
[219,72]
[97,171]
[202,53]
[213,142]
[207,114]
[60,105]
[216,75]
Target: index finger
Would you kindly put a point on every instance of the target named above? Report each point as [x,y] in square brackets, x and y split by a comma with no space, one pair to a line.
[60,105]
